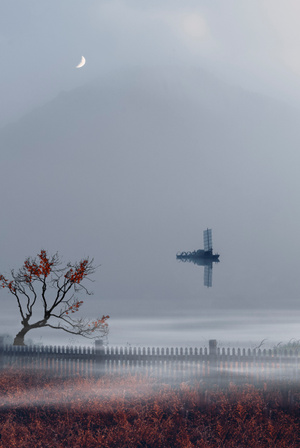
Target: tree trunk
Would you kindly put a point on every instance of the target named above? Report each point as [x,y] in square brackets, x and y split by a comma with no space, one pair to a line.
[19,339]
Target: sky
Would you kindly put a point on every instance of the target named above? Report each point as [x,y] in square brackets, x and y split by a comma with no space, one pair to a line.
[254,43]
[185,116]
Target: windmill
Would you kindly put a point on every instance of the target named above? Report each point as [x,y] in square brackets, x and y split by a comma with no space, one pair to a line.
[202,257]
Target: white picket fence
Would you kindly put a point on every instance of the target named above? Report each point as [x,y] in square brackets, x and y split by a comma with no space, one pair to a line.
[212,362]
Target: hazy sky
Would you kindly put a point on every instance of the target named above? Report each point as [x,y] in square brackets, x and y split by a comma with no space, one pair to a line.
[254,43]
[185,116]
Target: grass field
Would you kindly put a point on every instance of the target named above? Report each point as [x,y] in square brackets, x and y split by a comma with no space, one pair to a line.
[131,411]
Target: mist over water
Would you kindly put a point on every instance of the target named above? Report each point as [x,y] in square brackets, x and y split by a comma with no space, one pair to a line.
[130,170]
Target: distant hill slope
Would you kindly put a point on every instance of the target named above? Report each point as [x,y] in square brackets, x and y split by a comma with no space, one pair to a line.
[159,129]
[164,102]
[142,161]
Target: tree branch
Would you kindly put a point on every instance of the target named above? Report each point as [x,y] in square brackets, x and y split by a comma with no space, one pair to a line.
[66,281]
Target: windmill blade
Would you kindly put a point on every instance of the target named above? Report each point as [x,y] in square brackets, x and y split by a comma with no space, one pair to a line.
[207,239]
[208,276]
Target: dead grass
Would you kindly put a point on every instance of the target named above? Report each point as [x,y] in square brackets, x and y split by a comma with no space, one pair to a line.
[134,411]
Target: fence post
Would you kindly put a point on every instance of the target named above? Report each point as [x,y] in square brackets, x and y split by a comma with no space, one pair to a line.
[1,352]
[99,352]
[212,347]
[212,352]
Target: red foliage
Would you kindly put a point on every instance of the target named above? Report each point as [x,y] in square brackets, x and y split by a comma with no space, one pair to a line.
[74,307]
[78,274]
[3,280]
[45,265]
[34,280]
[36,270]
[134,411]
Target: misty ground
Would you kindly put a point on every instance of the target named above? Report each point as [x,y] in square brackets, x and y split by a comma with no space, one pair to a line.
[135,409]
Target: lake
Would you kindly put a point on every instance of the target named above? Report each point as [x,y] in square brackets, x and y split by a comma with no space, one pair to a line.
[156,300]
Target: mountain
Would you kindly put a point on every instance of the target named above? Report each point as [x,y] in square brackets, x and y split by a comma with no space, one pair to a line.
[141,162]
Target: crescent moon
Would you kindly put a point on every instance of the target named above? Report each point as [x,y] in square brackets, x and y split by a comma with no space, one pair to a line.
[81,63]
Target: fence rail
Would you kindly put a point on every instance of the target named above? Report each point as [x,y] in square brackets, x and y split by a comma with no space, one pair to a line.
[201,362]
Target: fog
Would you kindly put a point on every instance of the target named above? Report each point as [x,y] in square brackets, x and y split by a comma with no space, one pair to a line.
[128,161]
[64,396]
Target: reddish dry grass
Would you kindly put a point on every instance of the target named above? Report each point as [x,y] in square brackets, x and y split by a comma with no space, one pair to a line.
[134,411]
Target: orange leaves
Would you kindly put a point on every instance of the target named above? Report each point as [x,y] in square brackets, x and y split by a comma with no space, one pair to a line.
[32,269]
[36,270]
[11,287]
[45,265]
[77,275]
[99,323]
[6,284]
[4,281]
[74,307]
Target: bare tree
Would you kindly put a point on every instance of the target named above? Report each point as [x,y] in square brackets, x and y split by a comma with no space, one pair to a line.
[43,279]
